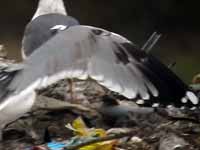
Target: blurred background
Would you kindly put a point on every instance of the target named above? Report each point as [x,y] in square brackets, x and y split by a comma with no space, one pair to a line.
[177,20]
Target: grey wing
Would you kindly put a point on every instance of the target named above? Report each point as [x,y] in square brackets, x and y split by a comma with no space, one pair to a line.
[82,52]
[113,66]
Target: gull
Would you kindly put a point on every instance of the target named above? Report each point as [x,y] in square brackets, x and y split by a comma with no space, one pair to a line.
[86,52]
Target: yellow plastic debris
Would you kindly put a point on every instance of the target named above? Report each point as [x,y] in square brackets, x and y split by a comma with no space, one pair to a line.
[80,129]
[109,145]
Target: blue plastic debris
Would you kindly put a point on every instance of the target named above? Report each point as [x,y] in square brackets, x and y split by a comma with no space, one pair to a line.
[56,146]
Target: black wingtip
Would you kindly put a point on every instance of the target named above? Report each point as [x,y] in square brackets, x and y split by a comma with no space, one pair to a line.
[172,90]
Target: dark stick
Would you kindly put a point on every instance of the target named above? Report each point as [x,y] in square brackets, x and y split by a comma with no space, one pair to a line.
[151,42]
[171,65]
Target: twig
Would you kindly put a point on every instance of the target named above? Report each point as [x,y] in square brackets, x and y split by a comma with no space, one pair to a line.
[171,65]
[108,138]
[151,42]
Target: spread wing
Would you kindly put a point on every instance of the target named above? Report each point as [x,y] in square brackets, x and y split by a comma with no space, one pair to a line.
[113,61]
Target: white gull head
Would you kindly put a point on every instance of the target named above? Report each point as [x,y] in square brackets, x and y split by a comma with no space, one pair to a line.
[50,6]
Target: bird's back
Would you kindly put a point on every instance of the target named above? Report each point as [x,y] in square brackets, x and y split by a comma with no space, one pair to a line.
[39,30]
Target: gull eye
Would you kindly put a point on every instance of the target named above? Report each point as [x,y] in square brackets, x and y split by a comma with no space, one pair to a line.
[100,32]
[97,32]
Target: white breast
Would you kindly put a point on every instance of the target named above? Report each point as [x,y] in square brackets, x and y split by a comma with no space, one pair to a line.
[15,106]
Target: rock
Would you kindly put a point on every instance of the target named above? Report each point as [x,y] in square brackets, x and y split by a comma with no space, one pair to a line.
[173,142]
